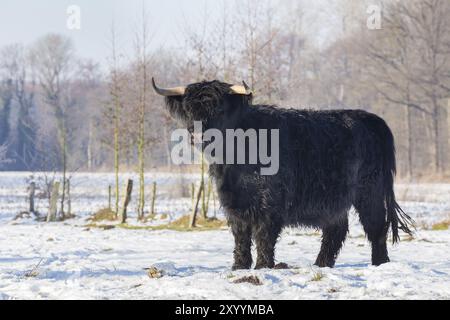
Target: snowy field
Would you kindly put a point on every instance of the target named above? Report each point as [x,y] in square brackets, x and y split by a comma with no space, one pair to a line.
[66,260]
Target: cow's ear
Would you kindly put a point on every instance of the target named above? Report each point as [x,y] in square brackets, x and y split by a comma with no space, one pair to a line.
[245,101]
[249,99]
[250,93]
[236,102]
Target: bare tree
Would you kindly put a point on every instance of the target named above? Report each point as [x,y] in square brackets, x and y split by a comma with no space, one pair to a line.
[407,65]
[52,60]
[202,60]
[113,112]
[6,98]
[430,29]
[14,64]
[142,82]
[260,54]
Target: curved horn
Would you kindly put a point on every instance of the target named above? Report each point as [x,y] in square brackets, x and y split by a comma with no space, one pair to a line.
[168,92]
[243,89]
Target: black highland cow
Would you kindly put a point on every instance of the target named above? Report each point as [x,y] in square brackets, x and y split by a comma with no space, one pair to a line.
[329,161]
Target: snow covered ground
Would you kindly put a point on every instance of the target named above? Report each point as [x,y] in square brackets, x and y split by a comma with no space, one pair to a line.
[66,260]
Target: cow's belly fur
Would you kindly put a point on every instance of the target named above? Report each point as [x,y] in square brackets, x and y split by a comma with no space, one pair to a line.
[273,199]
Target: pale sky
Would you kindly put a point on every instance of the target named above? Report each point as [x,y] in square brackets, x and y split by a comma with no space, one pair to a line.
[24,21]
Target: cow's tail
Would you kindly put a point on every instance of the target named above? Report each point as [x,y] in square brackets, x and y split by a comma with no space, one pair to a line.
[396,218]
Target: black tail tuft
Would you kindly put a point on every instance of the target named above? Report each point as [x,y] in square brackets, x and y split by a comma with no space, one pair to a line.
[396,218]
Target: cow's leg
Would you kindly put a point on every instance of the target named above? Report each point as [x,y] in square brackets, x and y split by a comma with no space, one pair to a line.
[372,214]
[266,235]
[333,238]
[242,243]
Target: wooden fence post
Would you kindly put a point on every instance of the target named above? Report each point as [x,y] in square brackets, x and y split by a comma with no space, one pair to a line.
[128,190]
[208,197]
[53,202]
[214,202]
[69,199]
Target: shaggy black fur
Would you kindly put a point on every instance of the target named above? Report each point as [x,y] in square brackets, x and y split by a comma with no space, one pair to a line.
[329,161]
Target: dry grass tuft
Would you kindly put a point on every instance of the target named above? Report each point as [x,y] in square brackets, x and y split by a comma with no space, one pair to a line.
[155,273]
[99,226]
[201,223]
[181,224]
[407,238]
[443,225]
[105,214]
[317,275]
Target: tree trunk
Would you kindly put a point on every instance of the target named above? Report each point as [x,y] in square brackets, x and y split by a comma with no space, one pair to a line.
[202,185]
[69,200]
[442,131]
[214,202]
[64,168]
[31,199]
[409,122]
[141,199]
[89,147]
[153,199]
[193,218]
[167,147]
[109,197]
[53,202]
[116,170]
[208,197]
[437,138]
[446,137]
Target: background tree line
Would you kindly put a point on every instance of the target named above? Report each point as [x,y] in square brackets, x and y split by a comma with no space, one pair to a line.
[60,112]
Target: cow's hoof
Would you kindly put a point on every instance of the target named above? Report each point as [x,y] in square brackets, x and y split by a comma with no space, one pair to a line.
[324,263]
[281,265]
[264,266]
[379,261]
[239,267]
